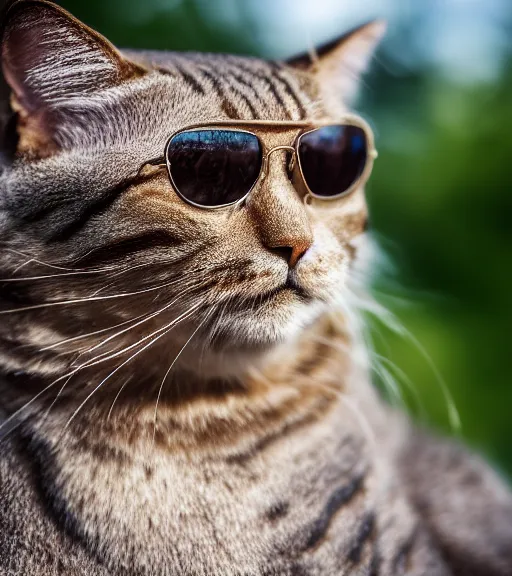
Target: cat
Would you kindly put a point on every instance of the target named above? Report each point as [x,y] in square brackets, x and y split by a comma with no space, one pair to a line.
[183,391]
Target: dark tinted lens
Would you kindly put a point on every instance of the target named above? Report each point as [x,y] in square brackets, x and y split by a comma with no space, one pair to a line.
[332,158]
[213,167]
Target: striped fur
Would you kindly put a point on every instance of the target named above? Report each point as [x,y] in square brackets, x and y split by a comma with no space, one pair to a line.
[167,409]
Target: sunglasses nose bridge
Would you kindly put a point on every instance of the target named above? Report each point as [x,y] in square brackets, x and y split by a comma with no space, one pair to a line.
[266,159]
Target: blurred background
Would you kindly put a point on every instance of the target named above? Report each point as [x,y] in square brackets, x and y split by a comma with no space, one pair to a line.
[440,98]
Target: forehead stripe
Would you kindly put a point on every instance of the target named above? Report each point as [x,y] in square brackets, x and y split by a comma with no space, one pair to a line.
[253,81]
[272,77]
[190,78]
[220,88]
[278,74]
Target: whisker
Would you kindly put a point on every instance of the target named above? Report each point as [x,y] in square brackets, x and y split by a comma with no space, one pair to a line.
[390,383]
[75,413]
[384,374]
[74,338]
[349,402]
[12,416]
[93,362]
[109,356]
[363,421]
[453,413]
[209,313]
[46,414]
[391,321]
[407,381]
[170,283]
[130,269]
[42,263]
[146,319]
[82,300]
[360,329]
[51,276]
[117,396]
[18,268]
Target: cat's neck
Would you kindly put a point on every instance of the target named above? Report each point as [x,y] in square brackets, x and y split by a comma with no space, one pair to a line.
[246,450]
[297,382]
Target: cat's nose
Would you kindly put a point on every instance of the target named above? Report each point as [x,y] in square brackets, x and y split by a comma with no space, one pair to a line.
[279,214]
[292,250]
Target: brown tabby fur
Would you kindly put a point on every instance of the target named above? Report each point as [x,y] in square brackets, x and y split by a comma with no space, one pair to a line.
[264,450]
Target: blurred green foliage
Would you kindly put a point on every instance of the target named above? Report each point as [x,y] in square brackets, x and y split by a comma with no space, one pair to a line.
[441,204]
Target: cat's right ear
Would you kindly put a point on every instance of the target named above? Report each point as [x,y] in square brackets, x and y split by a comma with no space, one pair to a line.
[337,66]
[50,59]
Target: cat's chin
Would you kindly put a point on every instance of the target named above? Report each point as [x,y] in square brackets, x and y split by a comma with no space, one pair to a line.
[256,330]
[246,341]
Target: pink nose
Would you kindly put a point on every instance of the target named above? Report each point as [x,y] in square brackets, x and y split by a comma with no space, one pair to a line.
[292,250]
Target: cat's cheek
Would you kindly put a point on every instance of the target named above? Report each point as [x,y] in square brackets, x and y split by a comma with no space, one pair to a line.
[321,271]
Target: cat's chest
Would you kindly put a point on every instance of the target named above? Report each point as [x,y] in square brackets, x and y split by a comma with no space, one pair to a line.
[312,502]
[241,511]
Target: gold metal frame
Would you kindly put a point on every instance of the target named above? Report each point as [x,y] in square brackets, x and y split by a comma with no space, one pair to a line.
[347,120]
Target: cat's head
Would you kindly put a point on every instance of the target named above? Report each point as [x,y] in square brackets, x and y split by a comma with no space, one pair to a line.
[118,259]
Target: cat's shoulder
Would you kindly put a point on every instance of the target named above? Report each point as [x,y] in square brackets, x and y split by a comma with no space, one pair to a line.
[466,504]
[32,540]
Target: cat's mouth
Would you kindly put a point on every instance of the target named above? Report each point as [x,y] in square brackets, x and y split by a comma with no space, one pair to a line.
[285,293]
[262,319]
[290,286]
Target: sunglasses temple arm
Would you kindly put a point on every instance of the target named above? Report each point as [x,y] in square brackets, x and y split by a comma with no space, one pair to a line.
[264,168]
[153,162]
[156,161]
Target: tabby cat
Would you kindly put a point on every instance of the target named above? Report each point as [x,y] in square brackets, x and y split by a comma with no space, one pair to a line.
[183,391]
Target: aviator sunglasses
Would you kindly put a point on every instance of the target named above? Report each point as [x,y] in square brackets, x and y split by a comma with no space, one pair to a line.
[218,164]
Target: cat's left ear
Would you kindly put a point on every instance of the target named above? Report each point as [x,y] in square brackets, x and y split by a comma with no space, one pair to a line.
[338,66]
